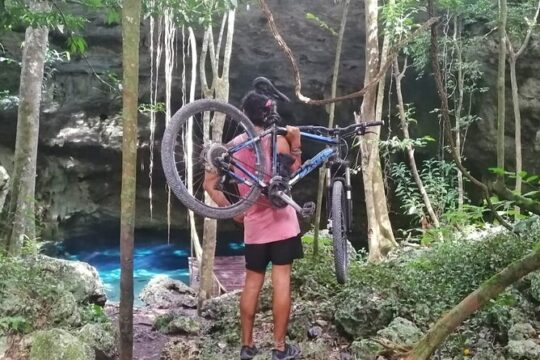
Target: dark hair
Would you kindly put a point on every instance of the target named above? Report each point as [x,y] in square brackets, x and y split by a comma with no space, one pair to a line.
[257,107]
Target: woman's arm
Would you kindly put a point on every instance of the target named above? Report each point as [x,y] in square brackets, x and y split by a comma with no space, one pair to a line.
[211,179]
[290,144]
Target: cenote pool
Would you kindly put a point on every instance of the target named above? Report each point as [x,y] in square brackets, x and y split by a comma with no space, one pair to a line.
[153,255]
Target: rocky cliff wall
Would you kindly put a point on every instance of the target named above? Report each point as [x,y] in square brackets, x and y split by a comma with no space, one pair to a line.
[80,133]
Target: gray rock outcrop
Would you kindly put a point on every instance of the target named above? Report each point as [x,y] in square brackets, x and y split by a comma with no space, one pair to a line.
[163,292]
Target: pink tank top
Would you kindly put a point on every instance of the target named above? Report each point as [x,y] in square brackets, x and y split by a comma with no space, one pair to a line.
[264,223]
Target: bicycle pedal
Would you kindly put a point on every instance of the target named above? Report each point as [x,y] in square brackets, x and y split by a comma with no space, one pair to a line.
[308,209]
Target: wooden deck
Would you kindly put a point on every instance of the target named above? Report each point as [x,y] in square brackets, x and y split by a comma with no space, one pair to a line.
[230,271]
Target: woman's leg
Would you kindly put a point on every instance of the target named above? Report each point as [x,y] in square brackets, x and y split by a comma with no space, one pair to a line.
[281,302]
[248,304]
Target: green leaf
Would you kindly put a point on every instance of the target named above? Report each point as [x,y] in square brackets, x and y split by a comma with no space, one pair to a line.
[113,17]
[496,170]
[76,44]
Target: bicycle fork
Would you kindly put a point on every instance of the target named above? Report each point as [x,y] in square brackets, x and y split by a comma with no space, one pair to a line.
[348,196]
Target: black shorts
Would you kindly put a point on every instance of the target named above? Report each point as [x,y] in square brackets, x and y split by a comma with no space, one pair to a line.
[280,252]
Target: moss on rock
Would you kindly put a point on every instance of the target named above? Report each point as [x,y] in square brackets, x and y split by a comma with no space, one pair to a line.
[101,337]
[59,344]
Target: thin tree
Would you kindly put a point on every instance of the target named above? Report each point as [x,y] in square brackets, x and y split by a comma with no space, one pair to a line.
[398,75]
[219,90]
[513,56]
[131,14]
[332,108]
[380,236]
[460,82]
[19,216]
[501,89]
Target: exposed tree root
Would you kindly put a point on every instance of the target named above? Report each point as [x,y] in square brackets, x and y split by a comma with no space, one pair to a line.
[392,54]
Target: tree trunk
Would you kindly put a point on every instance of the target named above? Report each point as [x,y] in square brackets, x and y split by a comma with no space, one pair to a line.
[501,86]
[4,187]
[517,119]
[332,107]
[515,98]
[474,301]
[459,107]
[19,216]
[410,151]
[380,236]
[219,90]
[195,242]
[131,14]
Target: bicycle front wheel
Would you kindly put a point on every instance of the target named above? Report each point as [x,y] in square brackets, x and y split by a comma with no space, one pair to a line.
[196,142]
[339,231]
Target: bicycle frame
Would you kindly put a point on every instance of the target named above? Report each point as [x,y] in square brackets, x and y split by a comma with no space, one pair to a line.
[330,155]
[306,168]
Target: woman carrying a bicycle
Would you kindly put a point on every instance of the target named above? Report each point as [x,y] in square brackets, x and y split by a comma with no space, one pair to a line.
[271,234]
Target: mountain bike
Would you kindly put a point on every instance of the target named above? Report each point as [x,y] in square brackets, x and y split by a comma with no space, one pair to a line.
[206,135]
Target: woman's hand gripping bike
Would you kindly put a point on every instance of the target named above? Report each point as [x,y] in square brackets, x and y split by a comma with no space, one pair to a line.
[199,138]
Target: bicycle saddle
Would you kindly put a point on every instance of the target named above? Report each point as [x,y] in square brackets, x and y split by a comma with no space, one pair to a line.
[264,86]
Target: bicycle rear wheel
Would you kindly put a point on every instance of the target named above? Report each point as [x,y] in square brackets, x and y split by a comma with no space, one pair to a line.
[339,231]
[196,140]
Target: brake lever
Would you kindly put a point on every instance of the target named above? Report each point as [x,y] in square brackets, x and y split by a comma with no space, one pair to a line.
[368,132]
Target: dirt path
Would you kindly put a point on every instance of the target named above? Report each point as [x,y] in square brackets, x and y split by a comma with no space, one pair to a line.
[147,343]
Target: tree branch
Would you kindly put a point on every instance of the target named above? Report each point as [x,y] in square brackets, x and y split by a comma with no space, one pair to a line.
[393,53]
[521,201]
[529,32]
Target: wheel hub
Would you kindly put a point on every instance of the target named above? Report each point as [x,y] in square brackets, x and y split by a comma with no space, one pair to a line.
[212,155]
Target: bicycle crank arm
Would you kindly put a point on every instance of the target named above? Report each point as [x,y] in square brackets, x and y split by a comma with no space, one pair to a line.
[306,211]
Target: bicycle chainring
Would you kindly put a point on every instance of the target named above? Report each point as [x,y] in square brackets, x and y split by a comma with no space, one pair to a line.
[276,185]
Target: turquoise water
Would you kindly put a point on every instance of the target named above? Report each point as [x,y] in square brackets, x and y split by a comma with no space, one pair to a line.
[153,255]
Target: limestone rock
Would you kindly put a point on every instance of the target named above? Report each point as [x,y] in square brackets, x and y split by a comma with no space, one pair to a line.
[180,349]
[65,310]
[364,313]
[223,315]
[165,293]
[3,346]
[78,278]
[224,305]
[365,349]
[401,331]
[101,338]
[315,350]
[523,349]
[182,325]
[521,331]
[302,317]
[59,344]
